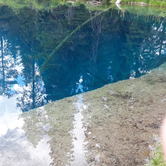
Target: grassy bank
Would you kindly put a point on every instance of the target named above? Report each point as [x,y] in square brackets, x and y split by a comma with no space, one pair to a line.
[38,4]
[144,10]
[48,4]
[157,3]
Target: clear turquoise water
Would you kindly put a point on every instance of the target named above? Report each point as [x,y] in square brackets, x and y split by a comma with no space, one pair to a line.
[112,47]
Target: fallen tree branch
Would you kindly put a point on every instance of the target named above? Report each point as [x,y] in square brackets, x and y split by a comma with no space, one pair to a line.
[66,38]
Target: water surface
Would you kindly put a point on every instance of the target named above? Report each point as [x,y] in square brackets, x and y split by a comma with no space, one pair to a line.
[115,46]
[112,47]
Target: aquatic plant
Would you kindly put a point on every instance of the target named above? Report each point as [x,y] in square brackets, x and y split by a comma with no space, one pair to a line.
[157,159]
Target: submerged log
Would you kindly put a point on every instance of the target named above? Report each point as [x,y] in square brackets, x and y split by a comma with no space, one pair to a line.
[66,38]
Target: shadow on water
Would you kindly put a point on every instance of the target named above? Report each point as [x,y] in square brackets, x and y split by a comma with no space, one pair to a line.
[116,45]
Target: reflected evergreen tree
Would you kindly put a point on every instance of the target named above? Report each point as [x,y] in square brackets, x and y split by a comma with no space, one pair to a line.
[112,47]
[153,48]
[32,94]
[8,71]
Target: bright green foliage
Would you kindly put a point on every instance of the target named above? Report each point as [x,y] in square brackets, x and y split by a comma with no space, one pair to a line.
[38,4]
[160,3]
[144,10]
[157,159]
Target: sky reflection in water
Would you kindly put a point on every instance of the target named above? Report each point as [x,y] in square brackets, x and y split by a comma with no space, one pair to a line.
[112,47]
[106,50]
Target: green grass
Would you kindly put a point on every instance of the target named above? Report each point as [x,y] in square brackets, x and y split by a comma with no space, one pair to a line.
[160,3]
[145,10]
[43,4]
[48,4]
[38,4]
[157,159]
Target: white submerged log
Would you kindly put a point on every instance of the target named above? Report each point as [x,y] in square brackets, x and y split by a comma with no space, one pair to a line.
[118,5]
[118,1]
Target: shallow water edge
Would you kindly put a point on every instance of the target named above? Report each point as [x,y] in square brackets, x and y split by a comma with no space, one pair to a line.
[117,124]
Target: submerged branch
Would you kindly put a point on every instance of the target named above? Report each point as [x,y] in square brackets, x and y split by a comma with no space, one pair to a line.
[67,37]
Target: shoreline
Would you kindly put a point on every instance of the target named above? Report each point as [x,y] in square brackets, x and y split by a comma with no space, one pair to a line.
[141,4]
[120,122]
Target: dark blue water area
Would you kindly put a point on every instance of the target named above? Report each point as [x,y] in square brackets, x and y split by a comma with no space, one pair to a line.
[112,47]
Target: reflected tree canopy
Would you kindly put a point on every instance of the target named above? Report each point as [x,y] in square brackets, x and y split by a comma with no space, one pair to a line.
[114,46]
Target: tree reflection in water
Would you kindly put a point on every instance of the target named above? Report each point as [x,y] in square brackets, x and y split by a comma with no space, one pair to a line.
[114,46]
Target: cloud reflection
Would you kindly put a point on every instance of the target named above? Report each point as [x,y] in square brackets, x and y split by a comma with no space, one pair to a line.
[15,150]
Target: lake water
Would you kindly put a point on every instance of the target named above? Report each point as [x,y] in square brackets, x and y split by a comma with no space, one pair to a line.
[113,46]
